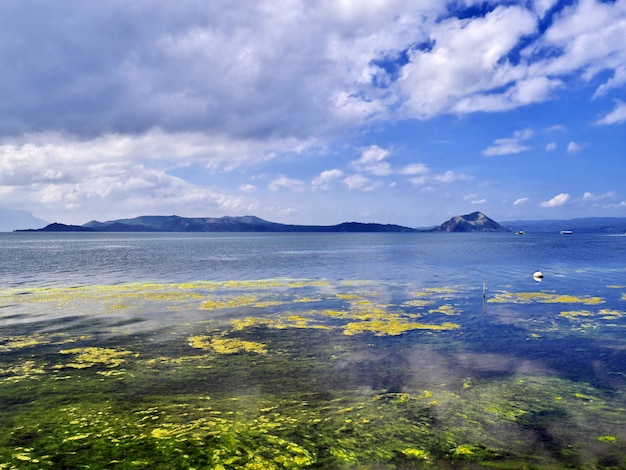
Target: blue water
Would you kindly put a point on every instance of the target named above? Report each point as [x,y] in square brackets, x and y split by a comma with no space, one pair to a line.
[571,326]
[78,259]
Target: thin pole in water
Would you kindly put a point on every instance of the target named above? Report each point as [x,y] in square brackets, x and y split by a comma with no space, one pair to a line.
[484,295]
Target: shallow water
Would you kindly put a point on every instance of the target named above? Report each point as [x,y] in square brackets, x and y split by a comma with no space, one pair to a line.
[312,351]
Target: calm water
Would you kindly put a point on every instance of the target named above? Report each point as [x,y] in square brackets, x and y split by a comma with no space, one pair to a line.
[409,350]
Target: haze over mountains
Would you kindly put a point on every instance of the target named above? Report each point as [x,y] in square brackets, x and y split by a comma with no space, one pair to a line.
[11,219]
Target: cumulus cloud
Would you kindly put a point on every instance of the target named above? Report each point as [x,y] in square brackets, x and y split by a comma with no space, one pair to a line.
[359,182]
[464,61]
[573,146]
[589,37]
[300,71]
[590,197]
[550,147]
[226,84]
[247,188]
[282,182]
[322,181]
[414,169]
[509,145]
[451,176]
[556,201]
[373,161]
[617,116]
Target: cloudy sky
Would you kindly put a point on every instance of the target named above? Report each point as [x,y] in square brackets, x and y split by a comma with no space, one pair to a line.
[313,111]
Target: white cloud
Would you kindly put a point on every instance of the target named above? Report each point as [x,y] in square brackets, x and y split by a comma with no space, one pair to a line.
[466,60]
[451,176]
[247,188]
[298,70]
[544,6]
[473,199]
[414,169]
[229,84]
[573,147]
[359,182]
[520,201]
[590,197]
[218,153]
[418,180]
[372,161]
[509,145]
[322,181]
[617,80]
[550,147]
[556,201]
[617,116]
[587,36]
[282,182]
[477,202]
[523,92]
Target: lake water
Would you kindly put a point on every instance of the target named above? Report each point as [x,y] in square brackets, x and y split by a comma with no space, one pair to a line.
[368,351]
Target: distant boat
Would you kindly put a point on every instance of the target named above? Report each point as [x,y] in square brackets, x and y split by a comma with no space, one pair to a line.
[520,232]
[538,276]
[566,232]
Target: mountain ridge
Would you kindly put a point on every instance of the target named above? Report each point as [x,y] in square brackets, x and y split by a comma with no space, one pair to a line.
[473,222]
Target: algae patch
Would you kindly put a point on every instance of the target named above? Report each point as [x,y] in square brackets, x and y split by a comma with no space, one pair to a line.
[91,356]
[544,297]
[227,345]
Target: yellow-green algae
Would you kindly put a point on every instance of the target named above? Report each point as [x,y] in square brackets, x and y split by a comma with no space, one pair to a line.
[12,343]
[286,295]
[393,326]
[544,297]
[356,428]
[261,413]
[227,345]
[23,370]
[385,430]
[91,356]
[604,314]
[361,316]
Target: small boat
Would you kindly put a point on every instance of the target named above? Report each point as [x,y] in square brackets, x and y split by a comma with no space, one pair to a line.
[566,232]
[520,232]
[538,275]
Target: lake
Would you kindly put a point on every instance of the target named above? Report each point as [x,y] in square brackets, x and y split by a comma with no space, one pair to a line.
[355,351]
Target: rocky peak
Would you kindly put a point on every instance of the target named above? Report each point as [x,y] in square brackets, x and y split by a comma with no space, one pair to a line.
[474,222]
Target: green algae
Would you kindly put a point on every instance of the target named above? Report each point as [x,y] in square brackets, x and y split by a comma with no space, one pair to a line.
[407,430]
[91,356]
[298,374]
[543,297]
[227,345]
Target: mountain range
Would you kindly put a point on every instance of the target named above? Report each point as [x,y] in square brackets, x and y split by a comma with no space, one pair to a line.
[474,222]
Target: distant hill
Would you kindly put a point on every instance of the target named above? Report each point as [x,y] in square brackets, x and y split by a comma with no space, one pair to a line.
[174,223]
[474,222]
[581,225]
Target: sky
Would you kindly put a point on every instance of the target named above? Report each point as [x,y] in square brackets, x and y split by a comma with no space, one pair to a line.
[313,111]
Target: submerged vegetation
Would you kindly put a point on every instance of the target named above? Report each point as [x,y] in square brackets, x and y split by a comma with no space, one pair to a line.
[284,373]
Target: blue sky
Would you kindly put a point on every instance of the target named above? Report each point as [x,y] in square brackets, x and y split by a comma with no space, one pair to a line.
[313,112]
